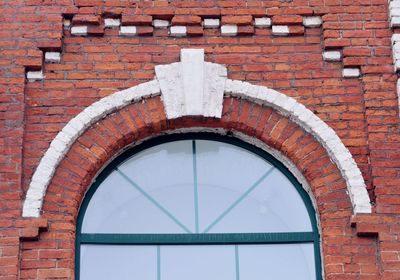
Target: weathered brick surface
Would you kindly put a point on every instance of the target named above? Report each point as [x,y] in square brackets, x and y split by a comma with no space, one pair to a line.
[363,112]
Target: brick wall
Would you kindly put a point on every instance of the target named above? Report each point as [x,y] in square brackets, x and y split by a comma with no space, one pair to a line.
[335,57]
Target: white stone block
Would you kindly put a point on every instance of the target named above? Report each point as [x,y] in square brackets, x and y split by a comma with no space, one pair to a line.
[395,38]
[112,22]
[159,23]
[332,56]
[351,72]
[312,21]
[178,31]
[262,22]
[280,30]
[52,57]
[211,23]
[127,31]
[229,30]
[34,76]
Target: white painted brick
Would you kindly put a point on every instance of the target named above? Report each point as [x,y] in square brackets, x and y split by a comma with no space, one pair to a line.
[395,38]
[395,12]
[34,76]
[112,22]
[262,22]
[211,23]
[178,30]
[395,21]
[79,30]
[229,30]
[351,72]
[312,21]
[332,56]
[394,4]
[280,30]
[127,31]
[52,57]
[159,23]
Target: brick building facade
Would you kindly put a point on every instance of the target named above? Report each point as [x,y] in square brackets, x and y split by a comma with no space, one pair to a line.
[65,66]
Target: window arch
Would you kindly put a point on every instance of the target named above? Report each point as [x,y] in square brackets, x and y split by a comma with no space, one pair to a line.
[196,206]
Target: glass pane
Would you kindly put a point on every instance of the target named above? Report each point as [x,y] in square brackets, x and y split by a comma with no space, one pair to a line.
[239,192]
[197,262]
[277,262]
[151,193]
[105,262]
[274,206]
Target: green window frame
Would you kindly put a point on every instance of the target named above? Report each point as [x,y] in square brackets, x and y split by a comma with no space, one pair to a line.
[311,237]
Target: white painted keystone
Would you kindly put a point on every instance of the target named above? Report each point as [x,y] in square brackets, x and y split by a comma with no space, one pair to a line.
[195,87]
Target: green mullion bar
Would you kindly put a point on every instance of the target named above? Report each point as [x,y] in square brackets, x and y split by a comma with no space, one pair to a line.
[192,239]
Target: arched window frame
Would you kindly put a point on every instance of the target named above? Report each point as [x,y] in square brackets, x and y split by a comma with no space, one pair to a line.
[200,238]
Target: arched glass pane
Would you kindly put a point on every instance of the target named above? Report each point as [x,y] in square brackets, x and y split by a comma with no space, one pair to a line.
[196,186]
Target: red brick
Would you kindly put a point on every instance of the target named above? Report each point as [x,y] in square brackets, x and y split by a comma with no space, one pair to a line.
[239,20]
[136,20]
[86,19]
[186,20]
[287,20]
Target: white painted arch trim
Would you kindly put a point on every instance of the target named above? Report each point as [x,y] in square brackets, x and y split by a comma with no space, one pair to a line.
[166,83]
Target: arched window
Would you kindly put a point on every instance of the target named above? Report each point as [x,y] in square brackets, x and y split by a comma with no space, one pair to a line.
[197,206]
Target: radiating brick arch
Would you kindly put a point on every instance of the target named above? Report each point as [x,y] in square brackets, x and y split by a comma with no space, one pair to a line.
[197,88]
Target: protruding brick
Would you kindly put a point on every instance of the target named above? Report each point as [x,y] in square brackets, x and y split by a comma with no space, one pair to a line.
[351,72]
[332,56]
[159,23]
[96,30]
[245,30]
[178,31]
[229,30]
[211,23]
[237,20]
[144,30]
[186,20]
[136,20]
[194,30]
[128,31]
[86,19]
[34,76]
[312,21]
[296,30]
[287,20]
[79,30]
[280,30]
[52,57]
[262,22]
[112,22]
